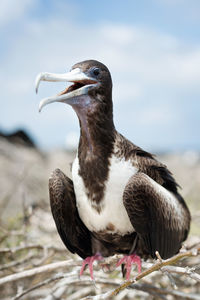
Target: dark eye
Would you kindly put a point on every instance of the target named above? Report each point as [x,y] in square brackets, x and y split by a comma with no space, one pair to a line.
[96,71]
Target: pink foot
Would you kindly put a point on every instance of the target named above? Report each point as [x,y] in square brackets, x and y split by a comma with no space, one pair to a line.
[129,260]
[89,261]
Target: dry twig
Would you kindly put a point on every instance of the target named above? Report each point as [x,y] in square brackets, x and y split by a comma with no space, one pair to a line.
[72,277]
[157,266]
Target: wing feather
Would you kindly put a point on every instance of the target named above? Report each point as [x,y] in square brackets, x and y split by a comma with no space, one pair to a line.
[71,229]
[158,224]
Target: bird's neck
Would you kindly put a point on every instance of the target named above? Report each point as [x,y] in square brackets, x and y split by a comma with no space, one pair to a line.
[96,129]
[97,135]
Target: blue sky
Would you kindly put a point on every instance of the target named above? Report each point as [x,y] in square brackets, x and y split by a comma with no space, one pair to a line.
[152,49]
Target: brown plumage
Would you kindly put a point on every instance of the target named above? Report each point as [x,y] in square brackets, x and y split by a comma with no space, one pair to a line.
[152,214]
[68,223]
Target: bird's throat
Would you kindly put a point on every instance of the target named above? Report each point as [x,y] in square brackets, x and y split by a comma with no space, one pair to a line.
[84,128]
[85,134]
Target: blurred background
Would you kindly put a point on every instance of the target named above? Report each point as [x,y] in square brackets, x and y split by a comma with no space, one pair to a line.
[152,49]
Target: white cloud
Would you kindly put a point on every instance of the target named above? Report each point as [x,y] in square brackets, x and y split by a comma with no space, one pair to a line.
[11,10]
[117,34]
[156,116]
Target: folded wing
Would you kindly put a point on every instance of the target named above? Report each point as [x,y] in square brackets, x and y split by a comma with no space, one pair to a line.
[71,229]
[158,215]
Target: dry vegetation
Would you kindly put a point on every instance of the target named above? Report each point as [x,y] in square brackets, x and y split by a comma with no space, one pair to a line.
[34,264]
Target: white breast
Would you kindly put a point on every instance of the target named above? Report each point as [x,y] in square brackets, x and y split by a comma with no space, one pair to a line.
[113,211]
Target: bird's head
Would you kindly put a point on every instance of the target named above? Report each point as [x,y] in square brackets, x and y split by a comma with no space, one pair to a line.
[91,88]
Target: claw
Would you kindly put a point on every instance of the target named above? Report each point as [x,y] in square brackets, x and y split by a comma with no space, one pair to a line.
[129,260]
[89,261]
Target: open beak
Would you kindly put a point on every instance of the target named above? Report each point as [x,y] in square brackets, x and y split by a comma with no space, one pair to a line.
[81,85]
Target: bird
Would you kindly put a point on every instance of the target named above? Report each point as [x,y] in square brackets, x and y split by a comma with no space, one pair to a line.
[121,199]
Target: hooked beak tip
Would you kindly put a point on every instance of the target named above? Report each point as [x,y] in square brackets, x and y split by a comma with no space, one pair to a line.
[40,108]
[37,81]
